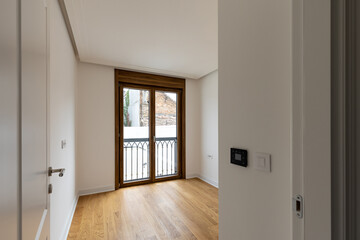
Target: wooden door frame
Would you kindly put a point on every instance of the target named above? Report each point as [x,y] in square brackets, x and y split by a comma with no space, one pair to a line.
[344,120]
[148,81]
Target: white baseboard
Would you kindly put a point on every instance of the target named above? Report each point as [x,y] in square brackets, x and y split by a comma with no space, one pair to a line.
[70,218]
[96,190]
[211,182]
[188,176]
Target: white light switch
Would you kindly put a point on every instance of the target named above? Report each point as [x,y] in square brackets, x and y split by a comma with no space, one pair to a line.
[262,162]
[63,144]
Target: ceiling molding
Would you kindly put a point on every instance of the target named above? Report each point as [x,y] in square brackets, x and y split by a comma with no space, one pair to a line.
[68,27]
[143,69]
[205,75]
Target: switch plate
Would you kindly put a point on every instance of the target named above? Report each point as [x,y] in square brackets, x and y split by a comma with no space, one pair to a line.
[239,157]
[262,162]
[63,144]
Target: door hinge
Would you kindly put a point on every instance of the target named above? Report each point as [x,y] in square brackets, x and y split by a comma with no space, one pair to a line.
[298,206]
[50,189]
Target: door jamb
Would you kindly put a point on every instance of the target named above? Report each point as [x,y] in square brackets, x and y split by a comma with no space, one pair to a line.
[311,109]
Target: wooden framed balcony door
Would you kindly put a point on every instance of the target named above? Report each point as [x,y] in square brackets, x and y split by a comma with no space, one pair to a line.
[150,129]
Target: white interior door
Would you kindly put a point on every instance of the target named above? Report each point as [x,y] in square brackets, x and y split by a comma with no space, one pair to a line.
[311,135]
[9,119]
[35,215]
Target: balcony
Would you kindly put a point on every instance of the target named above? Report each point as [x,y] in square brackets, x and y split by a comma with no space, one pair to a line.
[137,158]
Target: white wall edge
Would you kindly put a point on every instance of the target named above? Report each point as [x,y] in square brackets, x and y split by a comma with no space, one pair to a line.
[70,218]
[211,182]
[141,69]
[102,189]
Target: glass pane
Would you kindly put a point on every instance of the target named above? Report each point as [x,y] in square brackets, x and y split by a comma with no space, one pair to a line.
[166,134]
[136,161]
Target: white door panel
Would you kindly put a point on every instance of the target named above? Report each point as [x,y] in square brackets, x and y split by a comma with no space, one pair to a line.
[9,127]
[34,117]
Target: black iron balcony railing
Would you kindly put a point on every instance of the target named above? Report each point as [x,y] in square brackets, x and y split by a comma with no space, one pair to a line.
[137,158]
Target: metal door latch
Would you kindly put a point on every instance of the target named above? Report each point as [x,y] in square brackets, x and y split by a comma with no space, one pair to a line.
[50,188]
[59,170]
[298,206]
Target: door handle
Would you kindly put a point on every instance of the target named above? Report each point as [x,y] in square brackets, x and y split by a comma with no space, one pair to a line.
[58,170]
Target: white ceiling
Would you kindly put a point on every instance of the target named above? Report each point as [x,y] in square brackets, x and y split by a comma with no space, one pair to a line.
[171,37]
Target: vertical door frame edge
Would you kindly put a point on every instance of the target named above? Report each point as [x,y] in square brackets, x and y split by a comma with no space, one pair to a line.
[297,113]
[116,134]
[183,134]
[311,110]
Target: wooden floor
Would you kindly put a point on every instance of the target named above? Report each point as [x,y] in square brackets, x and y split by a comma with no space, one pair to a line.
[179,209]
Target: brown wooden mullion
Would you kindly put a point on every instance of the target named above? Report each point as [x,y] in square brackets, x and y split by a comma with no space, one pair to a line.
[117,133]
[152,134]
[120,133]
[179,132]
[183,132]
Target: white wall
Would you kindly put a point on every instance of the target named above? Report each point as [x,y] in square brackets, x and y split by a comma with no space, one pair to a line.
[193,128]
[62,111]
[255,76]
[95,128]
[209,163]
